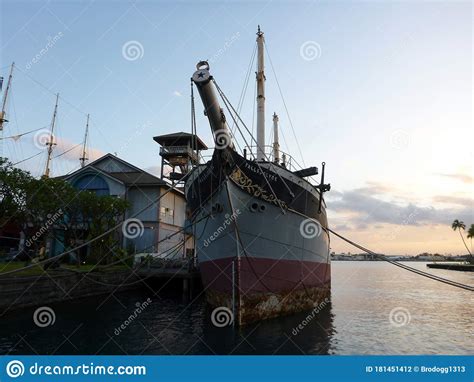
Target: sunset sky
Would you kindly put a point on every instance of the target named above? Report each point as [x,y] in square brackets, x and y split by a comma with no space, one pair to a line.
[380,91]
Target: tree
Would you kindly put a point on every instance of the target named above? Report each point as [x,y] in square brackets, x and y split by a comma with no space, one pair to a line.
[51,207]
[460,226]
[100,214]
[14,184]
[470,233]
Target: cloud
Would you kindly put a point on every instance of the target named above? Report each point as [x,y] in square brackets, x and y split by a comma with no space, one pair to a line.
[362,208]
[154,170]
[448,199]
[177,93]
[465,178]
[73,151]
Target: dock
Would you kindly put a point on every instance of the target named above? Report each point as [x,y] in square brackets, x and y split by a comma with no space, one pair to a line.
[167,269]
[452,267]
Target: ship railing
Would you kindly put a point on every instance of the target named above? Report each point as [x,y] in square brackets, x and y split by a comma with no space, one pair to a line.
[290,162]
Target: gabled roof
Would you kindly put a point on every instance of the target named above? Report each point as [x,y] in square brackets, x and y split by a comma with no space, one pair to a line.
[138,178]
[113,157]
[180,139]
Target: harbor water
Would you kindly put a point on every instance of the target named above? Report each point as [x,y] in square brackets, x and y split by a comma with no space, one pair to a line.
[375,308]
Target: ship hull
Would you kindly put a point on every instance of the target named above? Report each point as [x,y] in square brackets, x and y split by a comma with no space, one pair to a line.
[255,255]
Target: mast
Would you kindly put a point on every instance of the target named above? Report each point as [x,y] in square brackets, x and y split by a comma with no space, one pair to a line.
[84,158]
[5,97]
[51,142]
[260,97]
[276,142]
[202,78]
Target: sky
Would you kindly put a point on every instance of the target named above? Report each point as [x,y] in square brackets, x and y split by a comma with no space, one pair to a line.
[381,91]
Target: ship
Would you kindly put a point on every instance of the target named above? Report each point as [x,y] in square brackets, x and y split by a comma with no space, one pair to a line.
[260,226]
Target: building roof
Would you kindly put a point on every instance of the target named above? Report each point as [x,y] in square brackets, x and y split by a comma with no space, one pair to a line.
[180,139]
[138,178]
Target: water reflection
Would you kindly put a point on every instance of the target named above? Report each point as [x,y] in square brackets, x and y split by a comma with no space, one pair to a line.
[356,321]
[276,336]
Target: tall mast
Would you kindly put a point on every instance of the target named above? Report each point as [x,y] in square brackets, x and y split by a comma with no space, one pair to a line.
[84,158]
[51,142]
[5,98]
[276,141]
[260,97]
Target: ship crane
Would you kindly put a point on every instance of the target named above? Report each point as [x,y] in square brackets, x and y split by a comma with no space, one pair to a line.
[202,78]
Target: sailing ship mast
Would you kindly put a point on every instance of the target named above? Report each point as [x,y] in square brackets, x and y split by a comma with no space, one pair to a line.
[5,97]
[51,142]
[260,97]
[84,158]
[276,142]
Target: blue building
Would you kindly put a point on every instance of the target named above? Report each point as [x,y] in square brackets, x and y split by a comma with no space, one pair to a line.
[165,215]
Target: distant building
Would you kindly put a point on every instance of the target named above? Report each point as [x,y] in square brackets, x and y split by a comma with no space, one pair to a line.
[110,175]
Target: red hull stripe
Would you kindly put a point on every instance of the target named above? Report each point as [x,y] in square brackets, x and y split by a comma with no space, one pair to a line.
[265,275]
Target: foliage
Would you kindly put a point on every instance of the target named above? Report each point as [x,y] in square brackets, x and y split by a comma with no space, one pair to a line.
[460,226]
[45,206]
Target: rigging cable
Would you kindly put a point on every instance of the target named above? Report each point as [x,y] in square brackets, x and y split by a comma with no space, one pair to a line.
[68,150]
[244,89]
[227,104]
[284,104]
[17,136]
[94,239]
[406,267]
[31,157]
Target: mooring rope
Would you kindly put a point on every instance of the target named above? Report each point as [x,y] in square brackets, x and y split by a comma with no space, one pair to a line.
[406,267]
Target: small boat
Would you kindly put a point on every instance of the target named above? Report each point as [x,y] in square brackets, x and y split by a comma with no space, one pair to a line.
[260,225]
